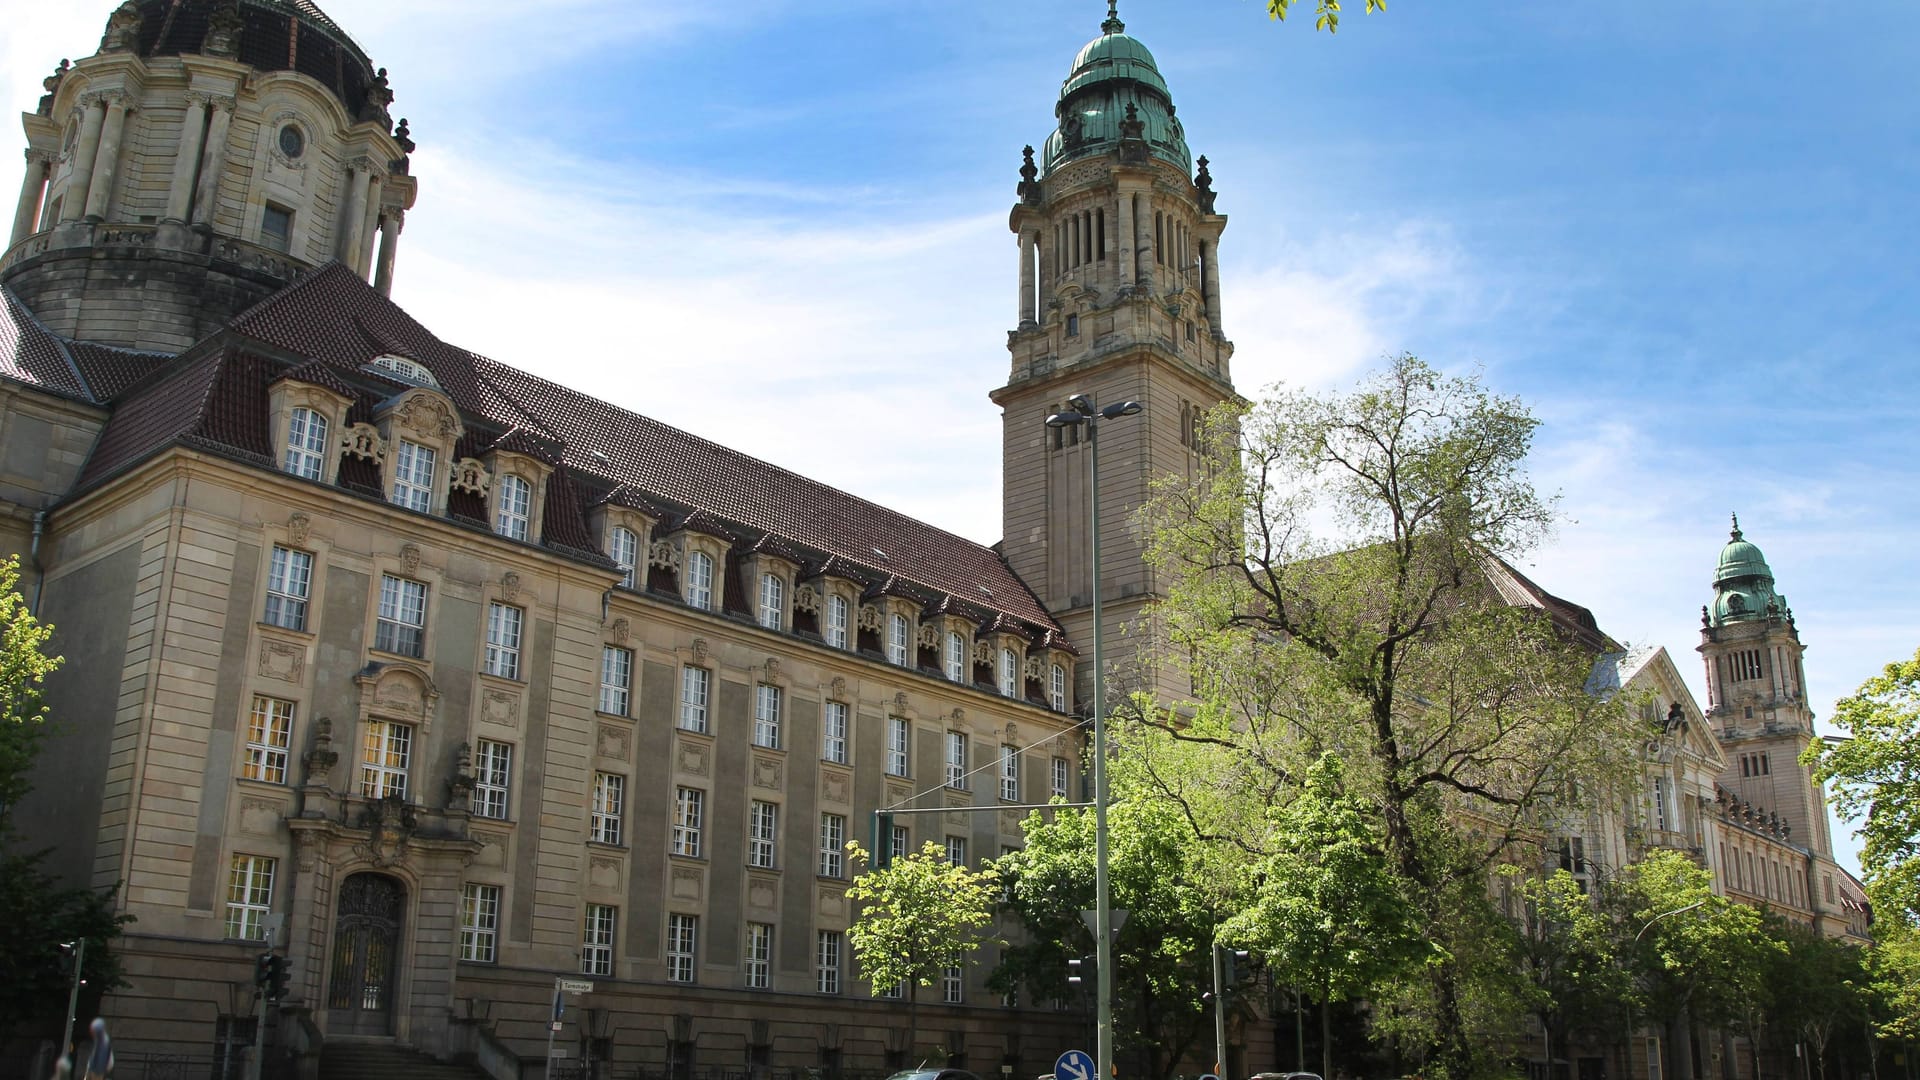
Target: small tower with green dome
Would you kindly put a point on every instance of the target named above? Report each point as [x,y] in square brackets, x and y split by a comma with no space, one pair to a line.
[1756,692]
[1118,298]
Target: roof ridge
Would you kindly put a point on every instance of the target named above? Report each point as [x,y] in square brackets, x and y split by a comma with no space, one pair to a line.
[59,344]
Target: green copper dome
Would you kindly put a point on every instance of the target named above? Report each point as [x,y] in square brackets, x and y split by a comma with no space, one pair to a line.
[1114,71]
[1743,583]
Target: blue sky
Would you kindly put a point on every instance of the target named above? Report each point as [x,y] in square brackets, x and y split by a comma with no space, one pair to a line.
[1686,235]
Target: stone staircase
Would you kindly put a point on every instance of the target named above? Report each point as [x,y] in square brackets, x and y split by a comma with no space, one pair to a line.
[384,1060]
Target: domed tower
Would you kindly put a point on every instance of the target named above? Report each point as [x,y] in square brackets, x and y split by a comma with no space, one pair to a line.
[208,154]
[1119,298]
[1756,693]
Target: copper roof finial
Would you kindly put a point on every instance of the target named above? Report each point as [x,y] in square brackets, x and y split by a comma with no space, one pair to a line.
[1736,526]
[1113,25]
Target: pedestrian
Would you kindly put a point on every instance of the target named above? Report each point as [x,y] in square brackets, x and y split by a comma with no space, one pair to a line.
[100,1056]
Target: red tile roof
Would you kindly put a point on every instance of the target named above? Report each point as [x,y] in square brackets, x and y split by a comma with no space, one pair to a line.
[32,354]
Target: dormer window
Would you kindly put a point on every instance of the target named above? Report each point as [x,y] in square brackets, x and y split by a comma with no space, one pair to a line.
[1057,688]
[700,580]
[413,476]
[956,659]
[623,547]
[839,615]
[516,499]
[899,637]
[773,593]
[399,367]
[1009,673]
[306,444]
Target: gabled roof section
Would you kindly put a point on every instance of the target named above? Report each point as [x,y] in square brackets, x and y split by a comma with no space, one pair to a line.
[32,354]
[1570,618]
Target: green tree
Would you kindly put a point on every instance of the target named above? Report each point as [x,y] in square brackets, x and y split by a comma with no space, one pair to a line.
[1875,777]
[1819,987]
[37,913]
[1328,913]
[919,916]
[1334,585]
[1569,948]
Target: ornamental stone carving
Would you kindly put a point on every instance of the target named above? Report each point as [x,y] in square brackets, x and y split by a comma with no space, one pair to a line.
[834,786]
[621,630]
[363,441]
[603,873]
[806,598]
[687,883]
[700,651]
[501,707]
[410,558]
[471,475]
[261,817]
[929,636]
[664,555]
[762,894]
[1036,668]
[692,758]
[612,741]
[510,585]
[839,686]
[869,618]
[427,415]
[768,772]
[983,653]
[282,660]
[493,848]
[390,824]
[772,669]
[297,527]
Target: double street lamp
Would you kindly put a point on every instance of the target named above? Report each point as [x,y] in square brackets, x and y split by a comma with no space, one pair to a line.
[1082,413]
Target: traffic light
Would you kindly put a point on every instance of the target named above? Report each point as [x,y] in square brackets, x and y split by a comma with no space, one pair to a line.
[277,974]
[263,968]
[1228,974]
[1073,972]
[882,841]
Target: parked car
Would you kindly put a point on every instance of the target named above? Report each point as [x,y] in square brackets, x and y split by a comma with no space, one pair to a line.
[934,1074]
[1285,1076]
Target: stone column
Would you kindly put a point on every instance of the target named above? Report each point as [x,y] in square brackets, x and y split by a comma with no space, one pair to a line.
[100,187]
[193,134]
[390,226]
[369,227]
[213,162]
[1124,239]
[1143,242]
[353,218]
[73,205]
[1210,282]
[1029,244]
[1045,238]
[33,188]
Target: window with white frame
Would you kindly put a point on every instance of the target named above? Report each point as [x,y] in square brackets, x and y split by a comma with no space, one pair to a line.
[827,947]
[269,731]
[839,615]
[956,656]
[759,958]
[503,640]
[952,987]
[386,748]
[609,806]
[899,639]
[898,741]
[1573,855]
[700,580]
[1009,773]
[249,896]
[413,476]
[1659,803]
[1009,673]
[513,511]
[896,991]
[899,842]
[683,936]
[492,776]
[766,716]
[289,582]
[957,850]
[623,547]
[1057,776]
[479,921]
[616,679]
[306,444]
[696,684]
[773,601]
[1057,688]
[763,834]
[596,939]
[833,842]
[689,811]
[957,759]
[402,625]
[833,732]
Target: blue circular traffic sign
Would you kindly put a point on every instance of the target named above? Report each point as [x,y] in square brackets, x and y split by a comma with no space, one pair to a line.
[1074,1065]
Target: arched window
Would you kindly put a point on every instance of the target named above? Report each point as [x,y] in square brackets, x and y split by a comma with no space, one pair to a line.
[838,612]
[511,514]
[898,636]
[306,443]
[1057,688]
[700,580]
[956,656]
[623,547]
[1009,673]
[773,594]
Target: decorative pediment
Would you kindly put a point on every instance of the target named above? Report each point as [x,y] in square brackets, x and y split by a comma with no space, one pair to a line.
[983,652]
[397,690]
[870,618]
[364,441]
[425,413]
[663,554]
[929,636]
[1036,668]
[806,598]
[470,474]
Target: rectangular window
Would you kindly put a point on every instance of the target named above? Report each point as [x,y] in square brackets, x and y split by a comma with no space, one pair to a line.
[623,547]
[402,626]
[957,850]
[833,842]
[276,228]
[899,842]
[479,921]
[1660,803]
[689,808]
[249,896]
[826,961]
[1746,665]
[956,657]
[838,616]
[609,803]
[616,679]
[289,581]
[766,716]
[1009,773]
[596,940]
[1009,673]
[897,744]
[269,730]
[763,834]
[512,516]
[413,476]
[899,637]
[700,580]
[492,773]
[957,759]
[759,955]
[683,936]
[385,751]
[695,683]
[773,593]
[833,732]
[306,443]
[1573,855]
[503,641]
[1057,776]
[952,987]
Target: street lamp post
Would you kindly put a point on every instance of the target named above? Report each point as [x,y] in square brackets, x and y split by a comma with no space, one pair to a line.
[1627,1051]
[1082,412]
[78,947]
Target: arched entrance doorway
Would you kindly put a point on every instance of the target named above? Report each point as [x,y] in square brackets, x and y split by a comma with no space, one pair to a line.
[366,954]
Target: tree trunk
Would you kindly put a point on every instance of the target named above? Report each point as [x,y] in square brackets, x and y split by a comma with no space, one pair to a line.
[1326,1040]
[913,1021]
[1682,1029]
